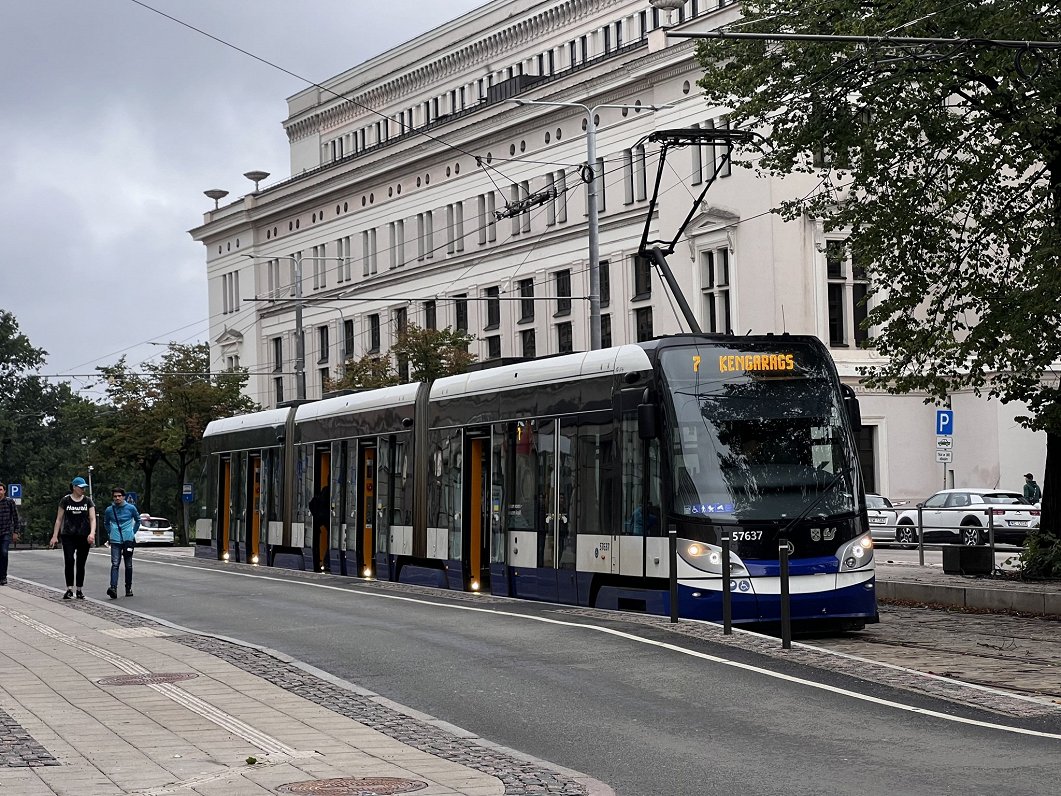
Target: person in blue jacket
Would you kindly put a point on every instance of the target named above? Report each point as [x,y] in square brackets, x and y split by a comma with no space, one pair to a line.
[122,521]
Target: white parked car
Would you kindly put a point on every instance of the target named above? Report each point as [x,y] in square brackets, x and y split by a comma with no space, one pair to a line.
[881,515]
[963,515]
[154,530]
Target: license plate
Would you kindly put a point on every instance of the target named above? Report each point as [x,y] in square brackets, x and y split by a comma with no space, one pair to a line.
[1018,523]
[877,520]
[157,533]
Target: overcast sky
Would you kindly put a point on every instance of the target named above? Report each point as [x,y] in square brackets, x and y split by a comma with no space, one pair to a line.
[114,120]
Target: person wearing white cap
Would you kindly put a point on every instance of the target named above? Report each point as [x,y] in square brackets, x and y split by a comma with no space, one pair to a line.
[76,521]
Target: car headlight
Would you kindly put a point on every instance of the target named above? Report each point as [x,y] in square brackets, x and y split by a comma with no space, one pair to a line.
[856,554]
[708,557]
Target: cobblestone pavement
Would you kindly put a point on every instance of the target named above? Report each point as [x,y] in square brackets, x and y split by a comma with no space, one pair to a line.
[452,750]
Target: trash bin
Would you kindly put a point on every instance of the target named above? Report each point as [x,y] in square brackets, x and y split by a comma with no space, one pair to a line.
[968,560]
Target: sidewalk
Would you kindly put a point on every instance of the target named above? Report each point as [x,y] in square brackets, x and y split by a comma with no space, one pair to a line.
[95,701]
[931,585]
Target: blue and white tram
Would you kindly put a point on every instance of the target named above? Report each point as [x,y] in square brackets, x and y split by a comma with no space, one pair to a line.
[557,479]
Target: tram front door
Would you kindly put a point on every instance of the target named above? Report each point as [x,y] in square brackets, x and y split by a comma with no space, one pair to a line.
[366,510]
[320,510]
[254,508]
[224,507]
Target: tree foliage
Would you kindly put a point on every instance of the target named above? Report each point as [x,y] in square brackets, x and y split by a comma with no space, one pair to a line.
[163,410]
[430,354]
[942,165]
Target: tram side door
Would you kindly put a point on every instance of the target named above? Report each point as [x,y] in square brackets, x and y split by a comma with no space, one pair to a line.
[254,508]
[476,537]
[366,513]
[337,516]
[320,509]
[224,506]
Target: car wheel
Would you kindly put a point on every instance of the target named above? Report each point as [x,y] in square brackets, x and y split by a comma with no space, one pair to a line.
[971,534]
[904,534]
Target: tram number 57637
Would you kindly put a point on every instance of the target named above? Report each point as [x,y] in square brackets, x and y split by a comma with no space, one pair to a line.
[746,536]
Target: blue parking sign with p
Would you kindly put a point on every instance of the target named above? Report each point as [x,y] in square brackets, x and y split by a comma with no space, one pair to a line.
[14,491]
[944,422]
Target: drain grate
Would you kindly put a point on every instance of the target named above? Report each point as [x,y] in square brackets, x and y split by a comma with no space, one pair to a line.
[355,786]
[147,679]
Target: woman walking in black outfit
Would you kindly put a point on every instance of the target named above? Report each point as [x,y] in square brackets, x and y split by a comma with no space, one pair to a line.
[76,523]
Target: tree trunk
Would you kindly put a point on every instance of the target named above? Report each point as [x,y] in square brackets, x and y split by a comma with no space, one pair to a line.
[1051,501]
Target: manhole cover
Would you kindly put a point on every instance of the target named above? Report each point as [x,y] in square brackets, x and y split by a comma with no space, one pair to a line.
[355,786]
[146,679]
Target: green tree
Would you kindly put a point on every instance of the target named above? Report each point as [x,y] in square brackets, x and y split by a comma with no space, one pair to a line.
[942,166]
[45,430]
[163,410]
[430,354]
[433,353]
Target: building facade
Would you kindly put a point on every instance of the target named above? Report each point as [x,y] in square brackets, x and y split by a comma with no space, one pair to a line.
[443,183]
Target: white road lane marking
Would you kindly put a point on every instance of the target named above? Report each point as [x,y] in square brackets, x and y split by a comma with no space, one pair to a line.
[649,642]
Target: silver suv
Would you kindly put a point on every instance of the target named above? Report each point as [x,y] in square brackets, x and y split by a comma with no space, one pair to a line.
[964,515]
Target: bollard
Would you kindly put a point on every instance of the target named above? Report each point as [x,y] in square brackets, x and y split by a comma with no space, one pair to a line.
[727,592]
[920,535]
[991,536]
[784,547]
[672,533]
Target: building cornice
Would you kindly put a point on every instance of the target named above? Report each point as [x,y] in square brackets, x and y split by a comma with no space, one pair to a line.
[483,51]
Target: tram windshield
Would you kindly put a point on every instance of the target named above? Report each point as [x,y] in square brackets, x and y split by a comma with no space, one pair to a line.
[757,431]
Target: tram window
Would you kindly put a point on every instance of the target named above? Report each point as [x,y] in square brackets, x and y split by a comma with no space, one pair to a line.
[596,482]
[639,488]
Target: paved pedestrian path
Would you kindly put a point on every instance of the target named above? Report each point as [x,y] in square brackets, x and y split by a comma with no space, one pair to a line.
[930,584]
[95,701]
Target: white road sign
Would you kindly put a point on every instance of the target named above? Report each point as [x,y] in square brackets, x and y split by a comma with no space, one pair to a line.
[944,456]
[944,443]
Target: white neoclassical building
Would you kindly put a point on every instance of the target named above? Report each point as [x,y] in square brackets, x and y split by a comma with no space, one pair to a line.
[422,192]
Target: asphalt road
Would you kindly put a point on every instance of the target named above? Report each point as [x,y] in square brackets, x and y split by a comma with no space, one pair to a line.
[638,708]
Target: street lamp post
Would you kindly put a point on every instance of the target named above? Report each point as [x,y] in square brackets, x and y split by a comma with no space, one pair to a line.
[591,202]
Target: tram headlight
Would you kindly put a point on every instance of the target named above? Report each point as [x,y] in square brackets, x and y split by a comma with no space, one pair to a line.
[708,558]
[856,554]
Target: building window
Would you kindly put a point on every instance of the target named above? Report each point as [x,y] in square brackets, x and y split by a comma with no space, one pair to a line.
[527,341]
[481,204]
[368,247]
[278,354]
[605,272]
[606,331]
[274,283]
[628,176]
[698,161]
[325,376]
[714,280]
[342,252]
[493,347]
[642,278]
[458,226]
[430,315]
[640,174]
[643,323]
[322,341]
[460,310]
[421,237]
[563,292]
[848,295]
[401,324]
[397,243]
[348,339]
[550,207]
[513,200]
[561,197]
[320,268]
[563,338]
[727,167]
[493,308]
[278,389]
[526,304]
[373,334]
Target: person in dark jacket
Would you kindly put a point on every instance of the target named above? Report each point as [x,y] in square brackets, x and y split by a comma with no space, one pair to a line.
[9,525]
[122,521]
[75,523]
[1032,493]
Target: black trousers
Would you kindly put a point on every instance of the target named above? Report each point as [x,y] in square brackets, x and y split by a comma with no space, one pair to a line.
[75,552]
